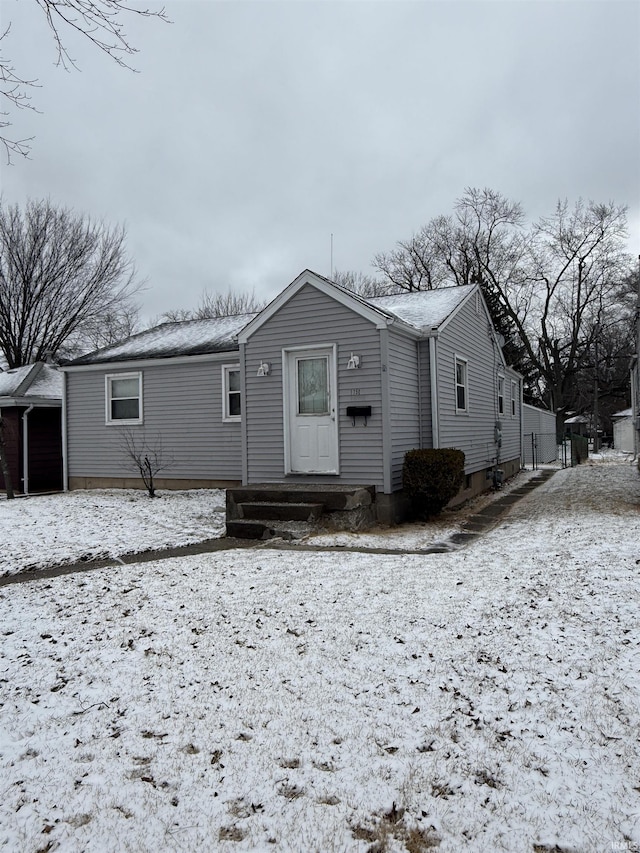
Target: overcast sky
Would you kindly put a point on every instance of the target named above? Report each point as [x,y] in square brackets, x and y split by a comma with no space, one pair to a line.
[255,130]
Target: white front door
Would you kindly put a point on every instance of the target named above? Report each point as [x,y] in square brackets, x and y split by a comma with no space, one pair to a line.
[310,412]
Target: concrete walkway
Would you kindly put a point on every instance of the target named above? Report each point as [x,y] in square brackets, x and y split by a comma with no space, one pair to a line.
[477,524]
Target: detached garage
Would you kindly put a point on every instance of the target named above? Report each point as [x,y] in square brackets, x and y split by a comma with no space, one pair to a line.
[31,409]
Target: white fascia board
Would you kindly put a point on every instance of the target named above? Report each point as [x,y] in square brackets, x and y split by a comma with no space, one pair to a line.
[379,319]
[50,402]
[230,356]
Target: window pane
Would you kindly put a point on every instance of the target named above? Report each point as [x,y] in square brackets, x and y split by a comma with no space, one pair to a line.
[460,396]
[234,380]
[124,388]
[234,404]
[124,410]
[313,386]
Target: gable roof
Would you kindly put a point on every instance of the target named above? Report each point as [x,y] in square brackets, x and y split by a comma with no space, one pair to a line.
[625,413]
[32,383]
[186,337]
[419,313]
[425,310]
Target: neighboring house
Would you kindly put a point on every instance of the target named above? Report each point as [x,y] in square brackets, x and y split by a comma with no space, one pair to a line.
[321,387]
[623,431]
[31,407]
[539,443]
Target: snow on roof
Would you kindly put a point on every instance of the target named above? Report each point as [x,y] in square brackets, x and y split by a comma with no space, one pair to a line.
[625,413]
[423,309]
[577,419]
[48,383]
[187,337]
[10,380]
[32,380]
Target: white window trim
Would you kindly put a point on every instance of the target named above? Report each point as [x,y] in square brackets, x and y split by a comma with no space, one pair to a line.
[108,397]
[456,361]
[501,396]
[514,399]
[226,417]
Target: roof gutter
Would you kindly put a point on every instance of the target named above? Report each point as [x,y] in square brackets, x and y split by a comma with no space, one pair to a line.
[25,450]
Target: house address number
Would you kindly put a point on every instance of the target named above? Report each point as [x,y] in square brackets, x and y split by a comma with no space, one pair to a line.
[355,392]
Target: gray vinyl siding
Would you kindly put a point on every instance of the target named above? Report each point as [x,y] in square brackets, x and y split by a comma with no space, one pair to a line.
[182,408]
[404,402]
[310,318]
[424,367]
[468,336]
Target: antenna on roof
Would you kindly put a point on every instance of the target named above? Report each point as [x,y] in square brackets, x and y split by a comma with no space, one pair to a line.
[331,267]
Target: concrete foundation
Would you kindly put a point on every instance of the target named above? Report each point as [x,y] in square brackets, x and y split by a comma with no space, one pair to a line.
[136,483]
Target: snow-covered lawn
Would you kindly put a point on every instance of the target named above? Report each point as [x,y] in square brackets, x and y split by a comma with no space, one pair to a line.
[481,700]
[49,530]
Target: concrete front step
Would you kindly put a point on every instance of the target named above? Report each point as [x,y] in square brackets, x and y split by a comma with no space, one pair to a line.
[333,497]
[293,510]
[280,511]
[248,528]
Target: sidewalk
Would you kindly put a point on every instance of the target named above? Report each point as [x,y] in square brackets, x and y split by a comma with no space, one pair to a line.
[474,526]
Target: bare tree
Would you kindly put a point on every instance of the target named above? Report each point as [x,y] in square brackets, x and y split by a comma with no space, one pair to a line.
[213,305]
[99,21]
[147,456]
[548,287]
[60,272]
[363,284]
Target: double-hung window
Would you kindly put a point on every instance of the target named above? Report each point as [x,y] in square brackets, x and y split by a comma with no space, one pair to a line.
[501,395]
[231,396]
[462,385]
[123,398]
[514,390]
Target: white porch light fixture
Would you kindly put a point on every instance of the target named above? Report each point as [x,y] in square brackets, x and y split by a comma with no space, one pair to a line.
[354,362]
[264,369]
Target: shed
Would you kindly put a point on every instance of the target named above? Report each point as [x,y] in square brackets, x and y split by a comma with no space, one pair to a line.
[623,432]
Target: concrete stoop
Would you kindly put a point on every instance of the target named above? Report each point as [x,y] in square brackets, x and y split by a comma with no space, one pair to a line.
[265,511]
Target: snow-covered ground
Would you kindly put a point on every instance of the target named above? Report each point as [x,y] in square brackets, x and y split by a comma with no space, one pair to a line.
[80,526]
[51,530]
[481,700]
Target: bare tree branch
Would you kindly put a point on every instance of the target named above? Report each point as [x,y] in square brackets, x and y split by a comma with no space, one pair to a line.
[98,21]
[61,275]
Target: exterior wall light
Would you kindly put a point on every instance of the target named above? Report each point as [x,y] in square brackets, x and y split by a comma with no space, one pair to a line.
[264,369]
[354,362]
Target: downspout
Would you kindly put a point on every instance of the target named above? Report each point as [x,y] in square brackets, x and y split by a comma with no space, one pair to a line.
[433,372]
[387,484]
[25,451]
[244,427]
[65,459]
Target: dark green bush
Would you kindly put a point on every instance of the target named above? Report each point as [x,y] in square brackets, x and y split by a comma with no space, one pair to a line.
[431,478]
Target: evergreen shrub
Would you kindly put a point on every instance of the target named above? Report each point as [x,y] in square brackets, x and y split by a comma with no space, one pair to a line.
[431,478]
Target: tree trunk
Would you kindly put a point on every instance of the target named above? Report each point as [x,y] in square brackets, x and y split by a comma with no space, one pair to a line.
[4,465]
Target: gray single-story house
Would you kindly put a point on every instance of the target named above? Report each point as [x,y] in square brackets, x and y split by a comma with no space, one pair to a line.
[31,409]
[322,387]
